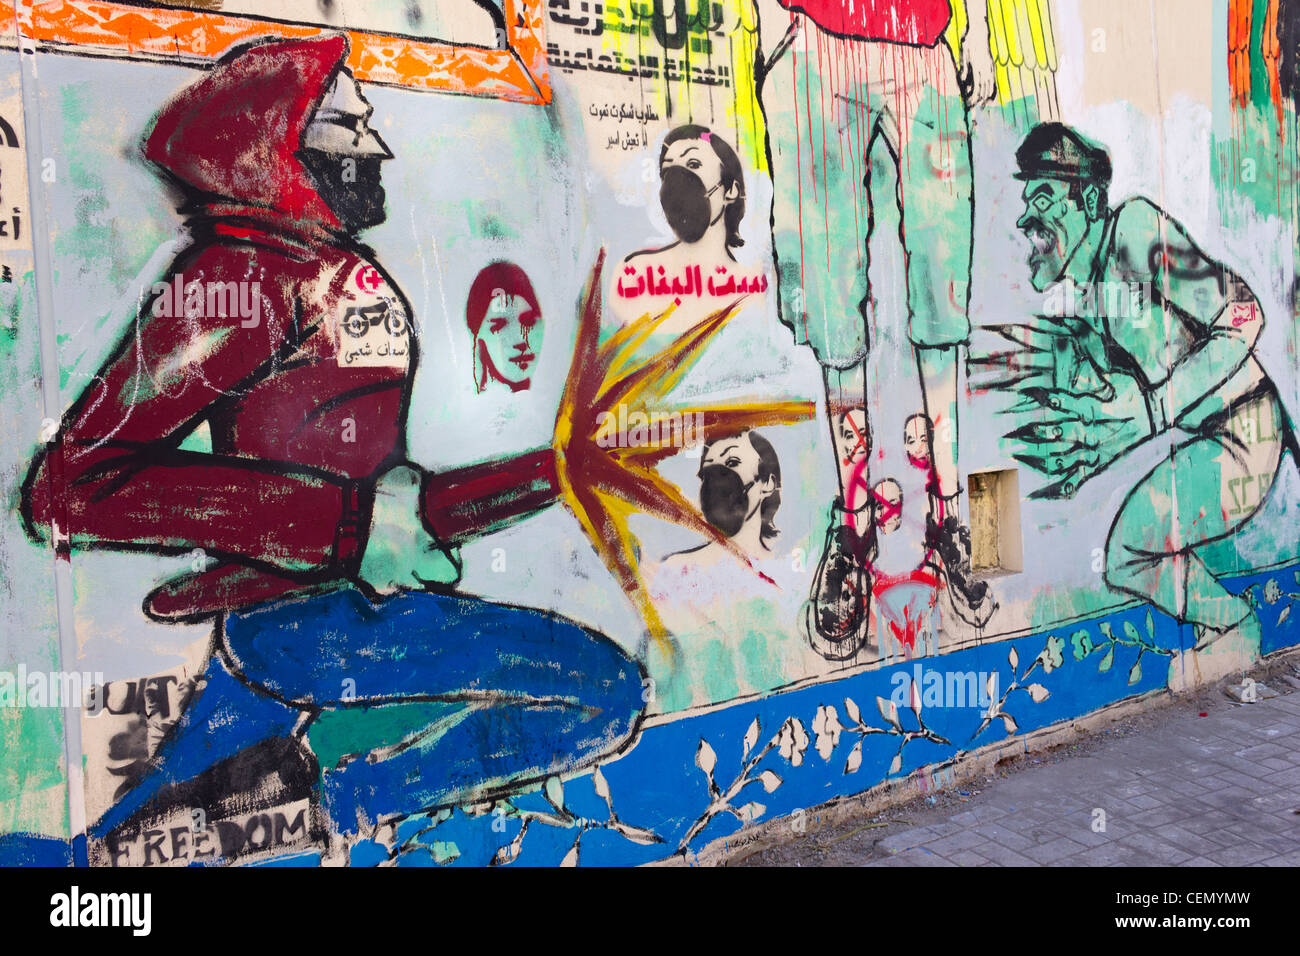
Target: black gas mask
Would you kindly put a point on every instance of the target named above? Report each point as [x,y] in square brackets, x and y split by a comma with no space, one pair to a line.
[686,203]
[350,186]
[724,499]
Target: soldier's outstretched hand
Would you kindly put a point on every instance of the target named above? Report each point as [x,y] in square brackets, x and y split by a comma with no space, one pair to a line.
[1074,436]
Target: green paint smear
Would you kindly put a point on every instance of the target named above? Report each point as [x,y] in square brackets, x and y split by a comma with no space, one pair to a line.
[336,734]
[31,759]
[95,243]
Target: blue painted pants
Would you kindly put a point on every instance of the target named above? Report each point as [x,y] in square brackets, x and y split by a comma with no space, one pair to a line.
[527,694]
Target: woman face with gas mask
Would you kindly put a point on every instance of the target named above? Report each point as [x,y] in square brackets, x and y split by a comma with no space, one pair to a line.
[740,489]
[700,188]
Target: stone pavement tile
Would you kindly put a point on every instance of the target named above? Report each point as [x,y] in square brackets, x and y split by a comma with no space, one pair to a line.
[988,813]
[1132,791]
[976,815]
[1023,821]
[1282,801]
[1053,850]
[967,858]
[1275,731]
[1238,729]
[1080,819]
[1187,788]
[945,846]
[1285,708]
[1197,770]
[1145,801]
[1148,819]
[1242,766]
[1159,852]
[998,833]
[1263,827]
[1286,859]
[1112,854]
[1284,778]
[999,855]
[946,828]
[1199,861]
[1231,781]
[913,857]
[1274,763]
[1167,781]
[1049,802]
[1191,746]
[1226,801]
[1224,831]
[1207,822]
[1087,836]
[1243,854]
[1041,833]
[1282,720]
[907,839]
[1260,751]
[1200,844]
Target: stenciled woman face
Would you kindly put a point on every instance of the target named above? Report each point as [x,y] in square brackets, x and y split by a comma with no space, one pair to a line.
[730,489]
[508,340]
[693,205]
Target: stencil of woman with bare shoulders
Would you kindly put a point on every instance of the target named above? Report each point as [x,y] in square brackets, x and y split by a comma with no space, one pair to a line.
[733,630]
[702,193]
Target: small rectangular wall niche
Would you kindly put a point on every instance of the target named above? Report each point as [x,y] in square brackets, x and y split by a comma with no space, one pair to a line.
[995,521]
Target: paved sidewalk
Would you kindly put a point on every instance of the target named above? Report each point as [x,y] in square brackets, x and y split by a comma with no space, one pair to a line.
[1218,790]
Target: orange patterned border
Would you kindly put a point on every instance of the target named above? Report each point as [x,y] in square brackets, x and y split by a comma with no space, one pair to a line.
[167,33]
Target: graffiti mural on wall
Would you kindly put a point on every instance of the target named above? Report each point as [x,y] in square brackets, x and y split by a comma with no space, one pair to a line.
[432,478]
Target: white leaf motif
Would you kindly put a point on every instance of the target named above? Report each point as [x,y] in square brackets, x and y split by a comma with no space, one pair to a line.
[751,738]
[888,710]
[827,727]
[637,834]
[508,853]
[770,780]
[705,758]
[555,792]
[792,741]
[1038,693]
[600,784]
[851,709]
[1014,659]
[855,759]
